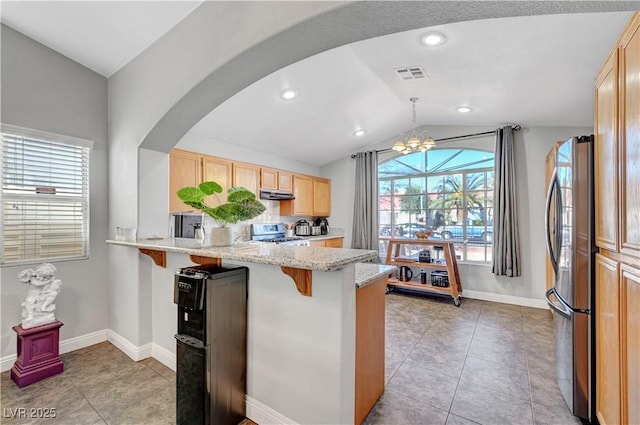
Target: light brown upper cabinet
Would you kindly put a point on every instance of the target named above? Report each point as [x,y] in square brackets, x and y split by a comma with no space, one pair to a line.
[285,181]
[276,179]
[606,155]
[220,171]
[629,153]
[303,192]
[191,169]
[313,197]
[268,178]
[313,194]
[184,170]
[321,197]
[247,176]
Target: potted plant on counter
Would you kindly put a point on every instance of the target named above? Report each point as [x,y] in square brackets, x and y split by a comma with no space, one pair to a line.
[241,205]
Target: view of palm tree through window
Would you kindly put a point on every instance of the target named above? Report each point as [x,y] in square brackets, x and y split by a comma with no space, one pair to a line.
[446,191]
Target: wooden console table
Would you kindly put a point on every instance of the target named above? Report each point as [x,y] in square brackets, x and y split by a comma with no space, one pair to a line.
[451,266]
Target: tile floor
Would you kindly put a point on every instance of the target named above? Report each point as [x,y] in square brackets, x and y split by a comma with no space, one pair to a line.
[483,363]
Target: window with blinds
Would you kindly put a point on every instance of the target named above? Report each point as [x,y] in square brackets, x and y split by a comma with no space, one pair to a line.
[44,198]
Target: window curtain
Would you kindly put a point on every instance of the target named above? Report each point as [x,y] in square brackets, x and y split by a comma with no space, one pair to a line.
[506,243]
[365,208]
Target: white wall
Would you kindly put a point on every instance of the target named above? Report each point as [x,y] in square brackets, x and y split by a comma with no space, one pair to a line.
[531,148]
[44,90]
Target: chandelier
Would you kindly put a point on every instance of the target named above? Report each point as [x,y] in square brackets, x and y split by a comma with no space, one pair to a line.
[413,143]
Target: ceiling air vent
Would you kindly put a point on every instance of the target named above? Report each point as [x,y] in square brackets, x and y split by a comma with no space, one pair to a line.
[410,73]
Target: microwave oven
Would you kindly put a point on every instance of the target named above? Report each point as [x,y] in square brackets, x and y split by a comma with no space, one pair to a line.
[182,225]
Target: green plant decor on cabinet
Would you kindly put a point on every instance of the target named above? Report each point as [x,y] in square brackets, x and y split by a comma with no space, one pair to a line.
[241,204]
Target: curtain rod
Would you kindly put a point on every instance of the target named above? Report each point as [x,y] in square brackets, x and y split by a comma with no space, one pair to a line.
[516,127]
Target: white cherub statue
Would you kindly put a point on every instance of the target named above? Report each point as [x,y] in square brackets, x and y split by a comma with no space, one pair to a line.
[38,307]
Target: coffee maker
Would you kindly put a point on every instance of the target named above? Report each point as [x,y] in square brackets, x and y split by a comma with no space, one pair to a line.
[324,225]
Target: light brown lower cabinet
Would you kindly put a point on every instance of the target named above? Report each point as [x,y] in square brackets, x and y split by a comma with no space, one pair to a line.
[370,316]
[329,243]
[607,341]
[630,320]
[617,341]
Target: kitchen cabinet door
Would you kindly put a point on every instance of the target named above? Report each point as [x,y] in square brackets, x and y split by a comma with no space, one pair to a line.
[334,243]
[268,178]
[608,405]
[321,197]
[184,170]
[285,181]
[303,192]
[276,179]
[217,170]
[606,155]
[630,139]
[630,321]
[247,176]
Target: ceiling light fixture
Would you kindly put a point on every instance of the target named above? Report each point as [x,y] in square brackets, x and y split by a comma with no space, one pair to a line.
[288,94]
[433,38]
[360,132]
[464,109]
[413,143]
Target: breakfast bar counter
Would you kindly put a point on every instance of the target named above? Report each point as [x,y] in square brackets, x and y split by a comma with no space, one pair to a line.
[315,351]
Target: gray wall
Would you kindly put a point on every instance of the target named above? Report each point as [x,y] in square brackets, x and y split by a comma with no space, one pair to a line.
[44,90]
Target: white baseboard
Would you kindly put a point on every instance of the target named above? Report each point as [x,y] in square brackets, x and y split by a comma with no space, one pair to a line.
[161,354]
[264,415]
[164,356]
[66,346]
[506,299]
[134,352]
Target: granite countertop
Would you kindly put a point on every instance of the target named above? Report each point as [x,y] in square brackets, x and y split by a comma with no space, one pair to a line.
[301,257]
[369,272]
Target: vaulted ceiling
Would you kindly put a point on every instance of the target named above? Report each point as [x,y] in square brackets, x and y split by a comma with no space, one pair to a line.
[530,70]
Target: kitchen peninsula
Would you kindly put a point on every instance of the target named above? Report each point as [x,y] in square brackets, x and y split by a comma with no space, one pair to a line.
[315,349]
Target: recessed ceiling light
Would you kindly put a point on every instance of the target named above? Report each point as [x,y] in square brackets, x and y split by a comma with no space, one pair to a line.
[360,132]
[463,109]
[433,38]
[288,94]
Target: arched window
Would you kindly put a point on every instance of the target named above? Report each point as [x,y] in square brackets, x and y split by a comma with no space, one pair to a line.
[448,191]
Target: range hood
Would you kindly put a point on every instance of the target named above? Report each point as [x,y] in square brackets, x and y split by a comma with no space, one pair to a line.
[276,195]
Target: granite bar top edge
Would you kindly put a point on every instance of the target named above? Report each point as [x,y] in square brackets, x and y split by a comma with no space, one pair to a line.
[367,273]
[301,257]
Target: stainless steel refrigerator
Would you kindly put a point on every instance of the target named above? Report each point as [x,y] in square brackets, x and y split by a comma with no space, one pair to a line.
[571,248]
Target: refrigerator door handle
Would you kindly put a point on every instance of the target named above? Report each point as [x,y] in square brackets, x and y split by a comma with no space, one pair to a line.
[559,305]
[553,185]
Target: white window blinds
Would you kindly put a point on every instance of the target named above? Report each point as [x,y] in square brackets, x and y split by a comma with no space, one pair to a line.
[44,199]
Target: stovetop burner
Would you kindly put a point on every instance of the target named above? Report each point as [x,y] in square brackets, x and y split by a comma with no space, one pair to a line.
[282,239]
[274,233]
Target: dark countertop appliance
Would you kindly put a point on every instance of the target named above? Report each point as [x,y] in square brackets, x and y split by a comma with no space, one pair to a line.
[324,225]
[184,224]
[571,247]
[303,228]
[211,379]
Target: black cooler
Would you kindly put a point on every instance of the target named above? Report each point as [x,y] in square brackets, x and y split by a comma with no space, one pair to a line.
[211,344]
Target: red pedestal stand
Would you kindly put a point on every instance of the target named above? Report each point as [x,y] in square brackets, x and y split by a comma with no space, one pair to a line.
[38,353]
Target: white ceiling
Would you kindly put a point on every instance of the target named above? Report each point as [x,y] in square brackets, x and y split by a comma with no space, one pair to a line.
[101,35]
[533,71]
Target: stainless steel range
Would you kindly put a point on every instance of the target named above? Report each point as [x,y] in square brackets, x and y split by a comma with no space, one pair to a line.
[275,233]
